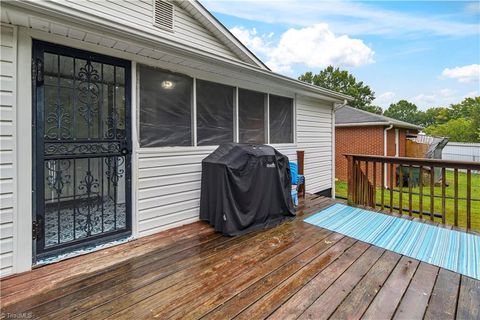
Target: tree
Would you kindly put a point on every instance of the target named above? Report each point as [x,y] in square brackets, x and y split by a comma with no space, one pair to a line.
[342,81]
[469,107]
[374,109]
[403,111]
[459,130]
[442,115]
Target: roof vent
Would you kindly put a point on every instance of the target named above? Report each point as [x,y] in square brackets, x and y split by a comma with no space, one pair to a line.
[163,14]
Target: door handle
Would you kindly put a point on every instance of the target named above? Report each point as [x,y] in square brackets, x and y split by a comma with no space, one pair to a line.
[124,151]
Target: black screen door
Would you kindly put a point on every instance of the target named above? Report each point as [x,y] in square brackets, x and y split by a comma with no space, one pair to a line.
[82,148]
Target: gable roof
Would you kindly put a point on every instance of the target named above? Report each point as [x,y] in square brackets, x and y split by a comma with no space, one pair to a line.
[82,23]
[352,117]
[212,24]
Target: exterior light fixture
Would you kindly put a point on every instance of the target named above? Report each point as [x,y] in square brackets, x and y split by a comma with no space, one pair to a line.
[168,85]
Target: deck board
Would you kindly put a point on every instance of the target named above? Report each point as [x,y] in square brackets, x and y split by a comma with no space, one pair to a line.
[327,303]
[444,296]
[415,300]
[292,271]
[386,301]
[358,300]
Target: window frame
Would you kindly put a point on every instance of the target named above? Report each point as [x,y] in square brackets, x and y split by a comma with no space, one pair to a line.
[192,107]
[265,115]
[236,129]
[294,121]
[234,109]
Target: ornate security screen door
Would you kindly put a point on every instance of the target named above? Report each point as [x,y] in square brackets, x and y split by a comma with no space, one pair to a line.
[82,149]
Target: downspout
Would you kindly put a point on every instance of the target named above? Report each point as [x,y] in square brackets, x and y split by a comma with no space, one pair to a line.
[385,145]
[334,109]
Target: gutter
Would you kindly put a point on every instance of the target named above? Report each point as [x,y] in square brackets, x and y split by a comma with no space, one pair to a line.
[340,106]
[369,124]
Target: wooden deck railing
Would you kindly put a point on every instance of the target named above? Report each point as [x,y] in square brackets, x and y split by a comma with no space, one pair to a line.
[445,191]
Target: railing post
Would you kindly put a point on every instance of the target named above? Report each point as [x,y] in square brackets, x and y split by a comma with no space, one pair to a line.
[374,190]
[444,183]
[420,188]
[350,168]
[301,163]
[469,197]
[455,205]
[382,183]
[432,192]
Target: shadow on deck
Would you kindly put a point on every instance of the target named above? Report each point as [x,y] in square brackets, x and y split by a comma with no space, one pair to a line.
[294,270]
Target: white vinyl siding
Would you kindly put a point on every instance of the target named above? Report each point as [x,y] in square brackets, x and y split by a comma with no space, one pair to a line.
[139,14]
[169,181]
[314,135]
[168,188]
[7,146]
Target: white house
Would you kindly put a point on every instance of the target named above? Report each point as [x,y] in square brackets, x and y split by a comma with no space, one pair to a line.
[109,107]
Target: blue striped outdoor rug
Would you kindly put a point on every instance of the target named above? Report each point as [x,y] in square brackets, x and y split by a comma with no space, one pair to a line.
[449,249]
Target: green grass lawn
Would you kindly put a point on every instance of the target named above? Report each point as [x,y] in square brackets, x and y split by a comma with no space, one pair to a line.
[341,190]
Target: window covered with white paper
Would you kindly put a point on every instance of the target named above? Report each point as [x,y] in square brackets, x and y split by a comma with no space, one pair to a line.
[281,119]
[214,113]
[165,108]
[251,116]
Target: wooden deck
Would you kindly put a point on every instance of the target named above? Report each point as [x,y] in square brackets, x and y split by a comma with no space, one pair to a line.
[294,270]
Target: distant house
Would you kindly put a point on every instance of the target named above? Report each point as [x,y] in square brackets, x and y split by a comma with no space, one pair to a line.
[362,132]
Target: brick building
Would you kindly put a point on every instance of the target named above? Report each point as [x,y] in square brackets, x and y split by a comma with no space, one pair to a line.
[362,132]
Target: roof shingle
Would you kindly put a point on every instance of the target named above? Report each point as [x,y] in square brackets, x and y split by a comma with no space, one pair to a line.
[352,117]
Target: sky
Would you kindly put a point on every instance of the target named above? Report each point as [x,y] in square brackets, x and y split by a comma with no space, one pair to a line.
[427,52]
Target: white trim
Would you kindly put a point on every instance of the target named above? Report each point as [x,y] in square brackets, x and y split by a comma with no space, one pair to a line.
[194,113]
[368,124]
[267,119]
[293,106]
[333,152]
[15,130]
[236,132]
[135,146]
[295,109]
[361,124]
[283,145]
[24,211]
[175,151]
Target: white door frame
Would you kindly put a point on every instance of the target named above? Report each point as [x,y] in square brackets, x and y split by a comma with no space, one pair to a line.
[23,244]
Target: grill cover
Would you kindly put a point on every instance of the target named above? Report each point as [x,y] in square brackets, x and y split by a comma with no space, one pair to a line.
[244,188]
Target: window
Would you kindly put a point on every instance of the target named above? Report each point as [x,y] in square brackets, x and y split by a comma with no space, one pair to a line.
[214,113]
[165,108]
[281,119]
[167,112]
[251,116]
